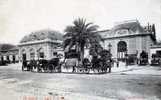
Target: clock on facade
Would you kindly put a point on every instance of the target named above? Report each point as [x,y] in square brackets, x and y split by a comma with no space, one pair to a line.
[122,32]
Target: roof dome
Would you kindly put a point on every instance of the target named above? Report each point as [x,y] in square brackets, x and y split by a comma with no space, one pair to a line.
[42,35]
[133,25]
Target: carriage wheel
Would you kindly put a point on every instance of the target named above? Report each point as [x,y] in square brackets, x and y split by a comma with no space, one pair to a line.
[87,70]
[80,70]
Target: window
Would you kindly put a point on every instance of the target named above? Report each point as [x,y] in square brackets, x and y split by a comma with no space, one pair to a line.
[8,58]
[14,57]
[41,54]
[54,53]
[158,52]
[32,55]
[24,56]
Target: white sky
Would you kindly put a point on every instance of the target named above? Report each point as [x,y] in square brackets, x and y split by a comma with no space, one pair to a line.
[20,17]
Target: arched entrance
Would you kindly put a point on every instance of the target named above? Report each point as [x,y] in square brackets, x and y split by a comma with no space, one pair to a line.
[121,50]
[13,58]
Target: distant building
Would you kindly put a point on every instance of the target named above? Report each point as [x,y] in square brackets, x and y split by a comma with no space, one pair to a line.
[9,53]
[40,44]
[128,38]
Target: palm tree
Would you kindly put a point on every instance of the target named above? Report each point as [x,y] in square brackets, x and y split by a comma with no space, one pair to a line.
[80,35]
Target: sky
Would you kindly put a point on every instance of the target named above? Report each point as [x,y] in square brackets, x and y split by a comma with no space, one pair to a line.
[21,17]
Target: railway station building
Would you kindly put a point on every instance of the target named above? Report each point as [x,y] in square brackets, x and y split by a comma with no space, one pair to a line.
[40,44]
[129,38]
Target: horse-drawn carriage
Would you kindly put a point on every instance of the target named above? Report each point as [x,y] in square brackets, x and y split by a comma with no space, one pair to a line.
[143,58]
[42,65]
[156,60]
[97,65]
[131,59]
[71,61]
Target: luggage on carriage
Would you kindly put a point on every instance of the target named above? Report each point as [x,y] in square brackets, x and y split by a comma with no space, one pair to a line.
[71,60]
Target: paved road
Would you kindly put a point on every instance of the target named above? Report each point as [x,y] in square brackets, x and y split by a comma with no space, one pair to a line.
[20,85]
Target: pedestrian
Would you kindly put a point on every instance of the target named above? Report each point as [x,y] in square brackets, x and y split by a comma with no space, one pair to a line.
[110,65]
[117,62]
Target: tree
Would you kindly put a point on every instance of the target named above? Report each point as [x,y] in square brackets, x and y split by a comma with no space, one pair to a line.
[81,34]
[95,49]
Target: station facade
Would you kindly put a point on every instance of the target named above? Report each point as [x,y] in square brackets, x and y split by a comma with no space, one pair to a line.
[129,38]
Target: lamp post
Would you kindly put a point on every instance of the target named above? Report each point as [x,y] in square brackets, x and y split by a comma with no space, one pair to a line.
[109,47]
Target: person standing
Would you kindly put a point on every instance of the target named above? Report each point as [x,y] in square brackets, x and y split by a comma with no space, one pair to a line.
[117,63]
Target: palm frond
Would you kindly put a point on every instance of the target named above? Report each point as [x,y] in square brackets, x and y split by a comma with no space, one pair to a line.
[92,28]
[82,34]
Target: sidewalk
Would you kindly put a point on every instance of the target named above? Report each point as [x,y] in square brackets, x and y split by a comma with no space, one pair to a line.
[136,69]
[123,68]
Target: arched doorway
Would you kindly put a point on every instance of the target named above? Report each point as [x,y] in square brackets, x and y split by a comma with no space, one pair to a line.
[121,50]
[13,58]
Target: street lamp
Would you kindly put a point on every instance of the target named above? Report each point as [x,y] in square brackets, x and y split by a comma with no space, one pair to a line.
[109,47]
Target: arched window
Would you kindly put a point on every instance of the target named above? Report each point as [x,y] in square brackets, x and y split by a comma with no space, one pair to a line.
[121,50]
[32,53]
[41,53]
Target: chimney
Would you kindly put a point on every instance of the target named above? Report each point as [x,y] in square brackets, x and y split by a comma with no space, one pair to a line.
[153,31]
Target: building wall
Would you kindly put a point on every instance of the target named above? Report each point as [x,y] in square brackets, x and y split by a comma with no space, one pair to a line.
[25,49]
[134,44]
[10,54]
[47,47]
